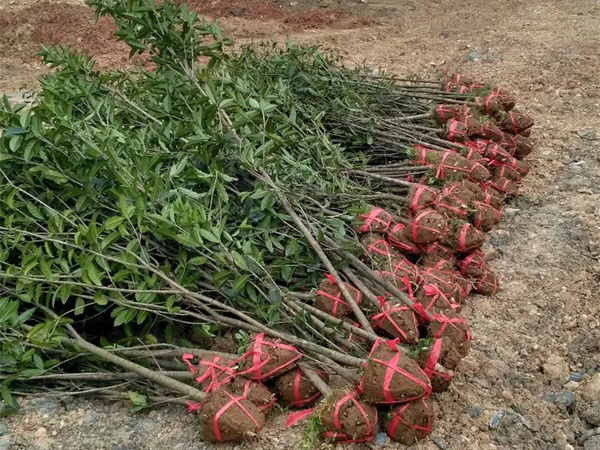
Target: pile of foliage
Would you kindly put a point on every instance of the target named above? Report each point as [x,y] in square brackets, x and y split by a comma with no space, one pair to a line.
[327,218]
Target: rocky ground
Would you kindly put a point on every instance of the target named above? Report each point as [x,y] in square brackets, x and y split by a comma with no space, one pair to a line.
[532,380]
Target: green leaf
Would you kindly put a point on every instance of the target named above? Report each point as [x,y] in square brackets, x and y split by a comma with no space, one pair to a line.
[46,271]
[79,306]
[100,298]
[113,222]
[221,277]
[92,273]
[239,260]
[14,131]
[240,282]
[209,236]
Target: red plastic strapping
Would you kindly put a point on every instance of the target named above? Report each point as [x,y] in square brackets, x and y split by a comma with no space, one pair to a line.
[374,216]
[479,208]
[453,131]
[404,245]
[433,359]
[232,401]
[297,416]
[381,246]
[398,418]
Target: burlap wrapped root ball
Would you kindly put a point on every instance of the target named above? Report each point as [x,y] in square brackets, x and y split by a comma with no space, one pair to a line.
[297,391]
[410,422]
[346,418]
[266,358]
[389,376]
[226,417]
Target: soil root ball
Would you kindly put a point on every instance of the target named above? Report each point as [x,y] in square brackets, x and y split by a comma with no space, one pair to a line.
[523,147]
[297,391]
[430,360]
[390,376]
[329,297]
[427,226]
[254,391]
[211,371]
[376,220]
[474,265]
[267,358]
[376,247]
[411,422]
[487,284]
[397,238]
[463,237]
[399,321]
[403,268]
[484,216]
[421,196]
[345,418]
[457,338]
[434,253]
[515,122]
[506,186]
[226,417]
[451,207]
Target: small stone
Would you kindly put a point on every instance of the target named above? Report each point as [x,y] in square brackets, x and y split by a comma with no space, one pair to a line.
[496,419]
[5,442]
[441,443]
[474,56]
[588,135]
[590,391]
[381,439]
[41,433]
[592,443]
[564,398]
[237,10]
[576,376]
[475,411]
[3,429]
[592,415]
[556,368]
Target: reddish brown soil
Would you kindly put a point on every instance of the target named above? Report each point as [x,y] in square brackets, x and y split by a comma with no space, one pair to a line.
[22,30]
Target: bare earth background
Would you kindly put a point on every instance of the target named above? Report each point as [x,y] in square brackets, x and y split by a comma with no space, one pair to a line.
[543,327]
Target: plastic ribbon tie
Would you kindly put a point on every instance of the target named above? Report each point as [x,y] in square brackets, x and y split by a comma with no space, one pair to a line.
[297,416]
[432,360]
[350,396]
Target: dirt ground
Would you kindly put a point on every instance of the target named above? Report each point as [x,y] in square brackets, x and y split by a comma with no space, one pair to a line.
[542,329]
